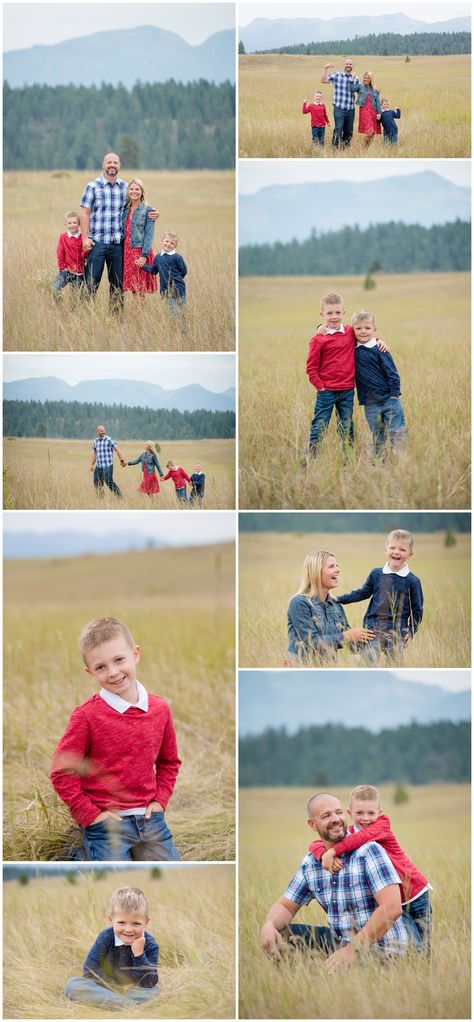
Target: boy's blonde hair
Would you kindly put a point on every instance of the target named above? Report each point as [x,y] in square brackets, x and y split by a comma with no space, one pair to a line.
[365,793]
[100,630]
[129,899]
[71,214]
[313,564]
[358,317]
[402,534]
[333,298]
[170,234]
[169,464]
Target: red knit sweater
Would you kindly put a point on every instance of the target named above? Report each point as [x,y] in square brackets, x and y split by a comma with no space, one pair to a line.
[70,253]
[179,477]
[108,760]
[380,830]
[319,117]
[331,360]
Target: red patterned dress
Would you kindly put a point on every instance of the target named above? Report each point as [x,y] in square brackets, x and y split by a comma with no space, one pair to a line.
[368,123]
[133,277]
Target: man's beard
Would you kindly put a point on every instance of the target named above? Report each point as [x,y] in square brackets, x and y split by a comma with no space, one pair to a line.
[335,833]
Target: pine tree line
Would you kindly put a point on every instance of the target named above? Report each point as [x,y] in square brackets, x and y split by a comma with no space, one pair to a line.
[74,420]
[386,44]
[363,521]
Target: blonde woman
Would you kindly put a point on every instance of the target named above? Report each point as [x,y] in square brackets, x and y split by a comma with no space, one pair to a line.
[317,624]
[370,109]
[138,232]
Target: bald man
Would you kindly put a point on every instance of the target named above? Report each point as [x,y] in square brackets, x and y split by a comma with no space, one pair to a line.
[362,901]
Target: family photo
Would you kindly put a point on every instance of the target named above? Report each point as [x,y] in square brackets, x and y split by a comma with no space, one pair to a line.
[343,285]
[119,173]
[363,78]
[328,590]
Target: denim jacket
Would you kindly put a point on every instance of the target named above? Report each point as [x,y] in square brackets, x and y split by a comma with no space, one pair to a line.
[149,462]
[142,228]
[315,627]
[364,91]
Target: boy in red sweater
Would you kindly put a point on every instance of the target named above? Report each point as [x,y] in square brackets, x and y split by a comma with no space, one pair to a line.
[369,824]
[180,478]
[319,117]
[116,764]
[71,257]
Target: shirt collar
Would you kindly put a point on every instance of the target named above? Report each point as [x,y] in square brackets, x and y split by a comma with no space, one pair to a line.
[403,571]
[167,253]
[339,330]
[76,235]
[370,344]
[121,705]
[117,941]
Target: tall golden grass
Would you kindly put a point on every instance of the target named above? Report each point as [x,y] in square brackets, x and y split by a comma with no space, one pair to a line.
[270,571]
[431,348]
[179,605]
[433,94]
[50,925]
[433,827]
[56,474]
[198,205]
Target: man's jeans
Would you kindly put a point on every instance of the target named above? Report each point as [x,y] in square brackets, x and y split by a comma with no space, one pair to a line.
[343,126]
[111,256]
[417,918]
[311,938]
[133,837]
[318,134]
[343,402]
[387,422]
[104,476]
[81,988]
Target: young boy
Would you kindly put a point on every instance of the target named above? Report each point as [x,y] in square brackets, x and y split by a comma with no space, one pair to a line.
[70,255]
[172,270]
[378,385]
[396,600]
[180,478]
[123,955]
[116,764]
[319,117]
[198,480]
[368,824]
[387,117]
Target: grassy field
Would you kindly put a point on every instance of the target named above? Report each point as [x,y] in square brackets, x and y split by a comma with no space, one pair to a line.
[55,474]
[197,946]
[199,206]
[435,121]
[433,828]
[179,605]
[431,348]
[270,572]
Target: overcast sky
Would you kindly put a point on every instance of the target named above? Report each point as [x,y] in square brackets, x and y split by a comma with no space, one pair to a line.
[173,527]
[419,12]
[30,24]
[215,372]
[451,681]
[256,174]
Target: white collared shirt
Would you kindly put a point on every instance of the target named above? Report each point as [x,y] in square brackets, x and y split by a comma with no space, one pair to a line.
[117,941]
[168,253]
[389,571]
[76,235]
[121,705]
[370,344]
[338,330]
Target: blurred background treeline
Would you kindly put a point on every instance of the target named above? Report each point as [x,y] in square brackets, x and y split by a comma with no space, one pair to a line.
[78,420]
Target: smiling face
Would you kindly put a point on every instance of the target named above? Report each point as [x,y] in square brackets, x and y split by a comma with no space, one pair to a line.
[367,79]
[111,166]
[363,812]
[168,243]
[128,926]
[330,572]
[348,65]
[333,315]
[113,665]
[385,104]
[397,551]
[327,818]
[135,192]
[364,330]
[72,224]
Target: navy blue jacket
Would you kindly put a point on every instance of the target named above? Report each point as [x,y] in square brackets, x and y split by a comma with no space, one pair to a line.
[198,480]
[315,627]
[148,461]
[106,962]
[396,603]
[390,129]
[376,375]
[172,269]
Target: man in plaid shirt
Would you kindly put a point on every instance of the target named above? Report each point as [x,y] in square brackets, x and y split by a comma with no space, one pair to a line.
[344,103]
[362,901]
[102,464]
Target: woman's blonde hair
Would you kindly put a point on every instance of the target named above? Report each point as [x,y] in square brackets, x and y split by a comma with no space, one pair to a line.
[135,181]
[313,565]
[371,76]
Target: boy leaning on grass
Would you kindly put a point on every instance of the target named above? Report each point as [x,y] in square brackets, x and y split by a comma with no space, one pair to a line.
[370,824]
[123,956]
[116,765]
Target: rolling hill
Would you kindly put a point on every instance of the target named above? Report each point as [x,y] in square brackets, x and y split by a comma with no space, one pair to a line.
[264,33]
[132,393]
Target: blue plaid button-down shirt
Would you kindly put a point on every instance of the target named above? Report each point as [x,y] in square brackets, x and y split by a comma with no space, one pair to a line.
[104,448]
[343,95]
[106,201]
[348,896]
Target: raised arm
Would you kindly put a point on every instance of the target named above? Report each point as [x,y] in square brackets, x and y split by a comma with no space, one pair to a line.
[324,76]
[376,831]
[357,595]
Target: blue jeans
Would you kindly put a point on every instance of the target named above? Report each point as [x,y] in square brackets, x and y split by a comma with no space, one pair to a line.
[387,422]
[105,476]
[417,918]
[390,643]
[312,938]
[181,495]
[343,402]
[391,139]
[65,277]
[343,127]
[111,256]
[81,988]
[133,837]
[318,134]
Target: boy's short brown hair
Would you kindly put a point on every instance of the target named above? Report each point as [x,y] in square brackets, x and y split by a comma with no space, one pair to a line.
[365,793]
[404,535]
[333,298]
[129,899]
[100,630]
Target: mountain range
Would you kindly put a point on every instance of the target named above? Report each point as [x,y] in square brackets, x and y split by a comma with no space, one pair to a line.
[284,212]
[320,697]
[145,54]
[267,33]
[132,393]
[74,544]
